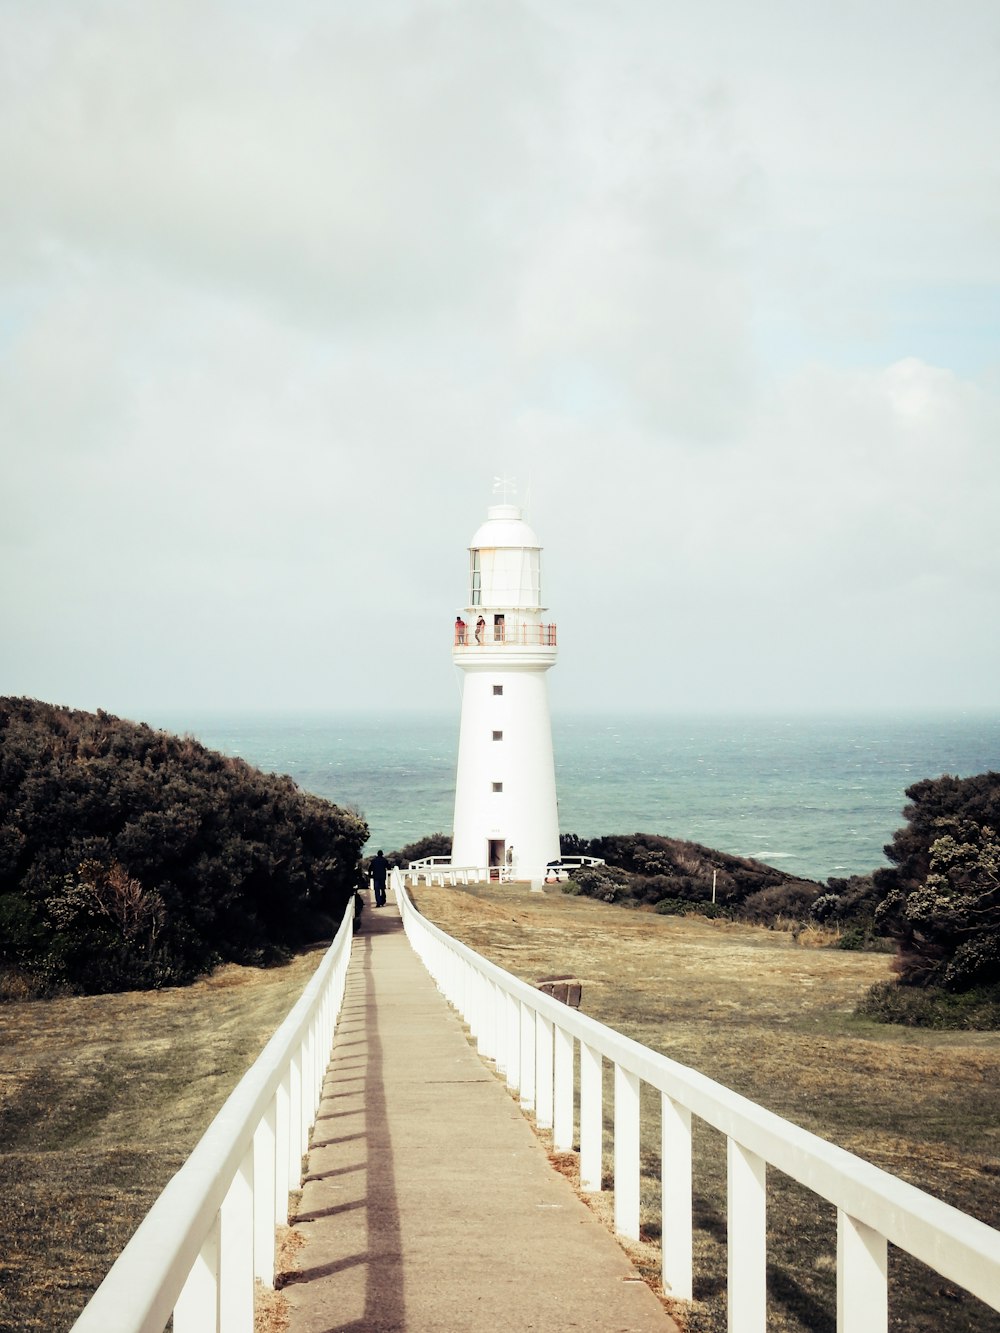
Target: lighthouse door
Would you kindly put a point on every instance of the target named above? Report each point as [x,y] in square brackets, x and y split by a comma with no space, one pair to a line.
[497,849]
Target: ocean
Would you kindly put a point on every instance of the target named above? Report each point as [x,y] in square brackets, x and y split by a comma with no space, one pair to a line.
[816,796]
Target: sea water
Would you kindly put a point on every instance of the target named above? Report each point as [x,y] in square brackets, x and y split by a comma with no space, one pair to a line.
[816,796]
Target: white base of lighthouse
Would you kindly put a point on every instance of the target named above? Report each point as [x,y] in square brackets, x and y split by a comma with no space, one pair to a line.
[505,802]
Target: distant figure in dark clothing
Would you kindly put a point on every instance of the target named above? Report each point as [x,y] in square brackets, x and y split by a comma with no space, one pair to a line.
[361,882]
[480,627]
[379,869]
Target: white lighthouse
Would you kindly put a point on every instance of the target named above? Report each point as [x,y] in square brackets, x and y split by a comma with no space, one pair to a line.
[505,796]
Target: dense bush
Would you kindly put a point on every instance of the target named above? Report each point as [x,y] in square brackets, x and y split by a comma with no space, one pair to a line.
[856,938]
[936,804]
[850,905]
[133,858]
[434,844]
[941,898]
[854,899]
[794,900]
[650,869]
[672,907]
[607,883]
[682,907]
[912,1006]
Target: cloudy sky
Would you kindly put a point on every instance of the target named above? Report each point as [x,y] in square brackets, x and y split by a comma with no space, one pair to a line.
[283,288]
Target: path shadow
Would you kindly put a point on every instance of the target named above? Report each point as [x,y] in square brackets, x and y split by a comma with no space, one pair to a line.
[384,1285]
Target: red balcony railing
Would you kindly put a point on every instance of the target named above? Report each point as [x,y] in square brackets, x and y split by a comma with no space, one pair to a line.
[486,635]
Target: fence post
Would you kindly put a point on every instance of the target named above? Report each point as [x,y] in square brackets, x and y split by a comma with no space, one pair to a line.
[862,1277]
[487,1034]
[236,1252]
[527,1083]
[677,1242]
[747,1234]
[513,1042]
[264,1197]
[295,1121]
[466,997]
[591,1118]
[626,1153]
[197,1307]
[543,1067]
[562,1119]
[305,1103]
[498,1018]
[282,1150]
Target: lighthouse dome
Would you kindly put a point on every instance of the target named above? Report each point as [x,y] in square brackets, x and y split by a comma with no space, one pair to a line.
[504,526]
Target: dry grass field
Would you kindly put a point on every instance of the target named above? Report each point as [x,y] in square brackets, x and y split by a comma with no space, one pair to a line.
[101,1100]
[771,1018]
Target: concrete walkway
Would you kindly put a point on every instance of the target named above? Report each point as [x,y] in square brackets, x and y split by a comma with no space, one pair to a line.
[429,1204]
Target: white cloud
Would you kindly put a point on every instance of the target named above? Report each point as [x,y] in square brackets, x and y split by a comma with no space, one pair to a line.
[281,292]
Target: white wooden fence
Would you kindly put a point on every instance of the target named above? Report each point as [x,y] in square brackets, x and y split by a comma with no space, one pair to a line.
[439,870]
[534,1041]
[212,1230]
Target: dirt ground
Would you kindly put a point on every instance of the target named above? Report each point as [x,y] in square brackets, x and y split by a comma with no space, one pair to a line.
[772,1019]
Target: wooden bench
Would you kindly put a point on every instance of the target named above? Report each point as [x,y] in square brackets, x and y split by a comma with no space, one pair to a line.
[566,989]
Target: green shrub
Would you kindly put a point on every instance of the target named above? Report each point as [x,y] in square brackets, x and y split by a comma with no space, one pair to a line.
[931,1007]
[940,900]
[681,907]
[825,908]
[852,938]
[607,883]
[434,844]
[130,858]
[685,888]
[672,907]
[793,899]
[672,868]
[714,911]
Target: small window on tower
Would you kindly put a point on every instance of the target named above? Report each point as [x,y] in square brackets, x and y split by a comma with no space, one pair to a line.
[498,689]
[498,786]
[498,735]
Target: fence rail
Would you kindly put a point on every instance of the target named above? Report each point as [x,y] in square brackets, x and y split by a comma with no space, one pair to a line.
[535,1042]
[439,870]
[210,1234]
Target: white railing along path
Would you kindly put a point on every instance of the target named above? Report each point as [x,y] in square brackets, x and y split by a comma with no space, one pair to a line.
[211,1233]
[534,1039]
[440,870]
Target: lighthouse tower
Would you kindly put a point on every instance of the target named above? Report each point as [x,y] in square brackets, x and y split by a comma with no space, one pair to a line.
[505,796]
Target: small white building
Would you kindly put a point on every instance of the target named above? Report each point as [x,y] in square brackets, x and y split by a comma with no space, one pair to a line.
[505,795]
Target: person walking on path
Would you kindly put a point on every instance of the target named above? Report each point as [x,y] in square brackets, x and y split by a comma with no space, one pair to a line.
[379,869]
